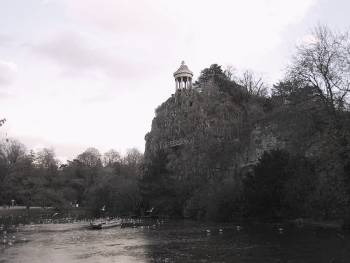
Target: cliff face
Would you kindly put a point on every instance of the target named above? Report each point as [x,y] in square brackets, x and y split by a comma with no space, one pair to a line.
[262,139]
[218,131]
[225,128]
[206,143]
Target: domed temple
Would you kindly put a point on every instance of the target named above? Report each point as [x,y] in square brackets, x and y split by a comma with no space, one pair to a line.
[183,77]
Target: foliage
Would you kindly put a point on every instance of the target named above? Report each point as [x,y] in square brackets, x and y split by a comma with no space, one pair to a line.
[280,186]
[213,72]
[158,187]
[37,179]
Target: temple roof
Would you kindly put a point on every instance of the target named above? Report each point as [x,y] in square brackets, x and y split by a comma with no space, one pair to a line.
[183,69]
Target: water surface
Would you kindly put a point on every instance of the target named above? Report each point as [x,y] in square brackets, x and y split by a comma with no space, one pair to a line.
[176,242]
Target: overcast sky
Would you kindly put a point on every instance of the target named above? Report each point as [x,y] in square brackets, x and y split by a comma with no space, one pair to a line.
[81,73]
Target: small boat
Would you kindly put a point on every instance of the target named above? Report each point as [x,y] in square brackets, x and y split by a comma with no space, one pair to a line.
[103,225]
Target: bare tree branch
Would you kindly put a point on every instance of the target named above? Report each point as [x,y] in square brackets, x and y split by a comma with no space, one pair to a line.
[254,85]
[324,64]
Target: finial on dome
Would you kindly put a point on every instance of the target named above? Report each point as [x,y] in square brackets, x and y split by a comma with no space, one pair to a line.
[183,62]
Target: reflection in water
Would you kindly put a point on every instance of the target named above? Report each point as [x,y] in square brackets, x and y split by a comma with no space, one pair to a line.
[177,242]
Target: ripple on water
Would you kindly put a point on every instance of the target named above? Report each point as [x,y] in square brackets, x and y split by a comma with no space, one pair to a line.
[178,242]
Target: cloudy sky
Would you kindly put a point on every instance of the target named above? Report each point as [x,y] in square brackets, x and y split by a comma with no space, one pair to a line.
[81,73]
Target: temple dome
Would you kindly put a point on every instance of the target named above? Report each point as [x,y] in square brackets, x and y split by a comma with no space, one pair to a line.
[183,70]
[183,77]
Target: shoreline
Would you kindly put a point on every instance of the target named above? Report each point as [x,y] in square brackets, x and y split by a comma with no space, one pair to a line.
[21,215]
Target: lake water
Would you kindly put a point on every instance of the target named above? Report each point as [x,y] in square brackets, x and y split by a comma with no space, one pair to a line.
[175,242]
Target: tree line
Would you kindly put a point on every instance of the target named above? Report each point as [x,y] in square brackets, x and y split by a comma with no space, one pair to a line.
[91,180]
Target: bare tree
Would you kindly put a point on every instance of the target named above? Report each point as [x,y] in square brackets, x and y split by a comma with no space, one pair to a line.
[230,72]
[111,157]
[11,151]
[46,158]
[133,157]
[253,84]
[91,157]
[323,63]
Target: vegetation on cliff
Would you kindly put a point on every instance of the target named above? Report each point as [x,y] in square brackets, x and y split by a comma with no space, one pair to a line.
[224,149]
